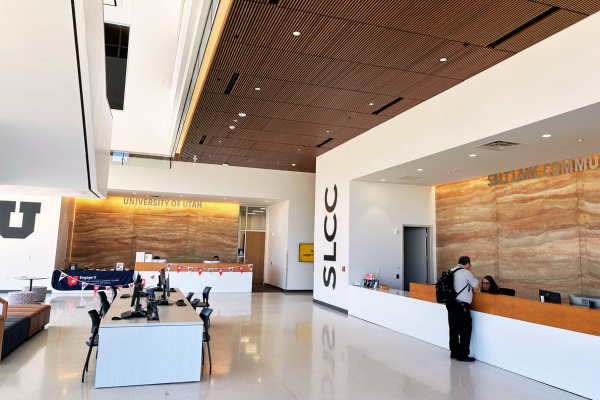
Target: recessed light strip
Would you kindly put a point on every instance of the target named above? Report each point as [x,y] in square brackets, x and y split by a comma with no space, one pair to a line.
[325,142]
[231,83]
[388,105]
[524,27]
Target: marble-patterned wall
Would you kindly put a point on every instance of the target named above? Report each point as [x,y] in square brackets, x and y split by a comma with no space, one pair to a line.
[529,235]
[108,231]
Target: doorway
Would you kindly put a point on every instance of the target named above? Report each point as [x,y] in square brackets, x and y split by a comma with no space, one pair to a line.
[416,253]
[255,254]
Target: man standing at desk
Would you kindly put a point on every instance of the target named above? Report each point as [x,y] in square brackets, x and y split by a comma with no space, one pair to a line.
[459,312]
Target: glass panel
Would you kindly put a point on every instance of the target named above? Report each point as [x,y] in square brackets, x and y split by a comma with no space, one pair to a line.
[124,36]
[111,34]
[257,218]
[242,218]
[241,242]
[111,51]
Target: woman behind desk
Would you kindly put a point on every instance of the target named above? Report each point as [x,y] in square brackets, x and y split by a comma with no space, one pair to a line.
[488,285]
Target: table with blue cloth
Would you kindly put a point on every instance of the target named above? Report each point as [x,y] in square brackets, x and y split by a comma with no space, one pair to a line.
[74,279]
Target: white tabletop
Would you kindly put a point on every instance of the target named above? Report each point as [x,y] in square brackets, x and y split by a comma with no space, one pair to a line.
[168,315]
[29,278]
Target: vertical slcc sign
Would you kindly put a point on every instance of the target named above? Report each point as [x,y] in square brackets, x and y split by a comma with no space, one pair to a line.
[330,238]
[29,211]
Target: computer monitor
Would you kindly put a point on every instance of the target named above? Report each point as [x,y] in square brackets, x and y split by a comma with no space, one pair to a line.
[163,277]
[506,291]
[211,262]
[550,297]
[168,288]
[577,300]
[135,298]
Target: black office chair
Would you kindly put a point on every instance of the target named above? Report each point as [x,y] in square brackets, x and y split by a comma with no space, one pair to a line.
[104,304]
[189,296]
[114,293]
[205,315]
[205,293]
[506,292]
[93,340]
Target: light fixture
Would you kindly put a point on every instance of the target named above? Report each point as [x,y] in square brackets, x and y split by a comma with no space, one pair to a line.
[235,120]
[266,201]
[371,104]
[546,135]
[383,180]
[580,140]
[226,164]
[472,155]
[420,169]
[256,88]
[219,141]
[224,198]
[443,59]
[134,193]
[298,149]
[327,131]
[296,33]
[180,195]
[231,127]
[243,114]
[293,165]
[263,208]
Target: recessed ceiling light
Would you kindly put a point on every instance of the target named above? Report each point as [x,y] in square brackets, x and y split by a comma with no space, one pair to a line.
[226,164]
[263,208]
[242,114]
[580,140]
[371,104]
[383,180]
[231,127]
[134,193]
[472,155]
[298,149]
[266,201]
[293,165]
[180,195]
[256,88]
[443,59]
[420,169]
[296,33]
[235,120]
[219,142]
[327,131]
[224,198]
[546,135]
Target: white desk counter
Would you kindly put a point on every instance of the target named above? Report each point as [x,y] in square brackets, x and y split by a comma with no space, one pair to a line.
[137,352]
[559,357]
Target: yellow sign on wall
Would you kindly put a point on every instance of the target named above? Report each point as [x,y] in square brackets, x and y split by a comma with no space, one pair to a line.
[307,252]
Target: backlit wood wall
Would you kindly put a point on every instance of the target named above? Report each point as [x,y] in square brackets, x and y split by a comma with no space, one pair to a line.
[528,235]
[107,232]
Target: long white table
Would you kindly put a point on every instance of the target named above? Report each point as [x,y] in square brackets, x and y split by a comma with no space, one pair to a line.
[137,352]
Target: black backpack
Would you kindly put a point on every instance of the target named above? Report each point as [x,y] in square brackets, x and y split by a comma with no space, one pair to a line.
[444,288]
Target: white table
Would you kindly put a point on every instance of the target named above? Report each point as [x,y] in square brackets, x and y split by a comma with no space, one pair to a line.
[30,279]
[137,352]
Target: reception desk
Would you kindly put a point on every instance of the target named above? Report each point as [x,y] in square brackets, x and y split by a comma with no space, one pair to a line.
[193,281]
[554,344]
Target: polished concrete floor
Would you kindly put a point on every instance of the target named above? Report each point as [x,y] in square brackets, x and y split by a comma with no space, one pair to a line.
[266,346]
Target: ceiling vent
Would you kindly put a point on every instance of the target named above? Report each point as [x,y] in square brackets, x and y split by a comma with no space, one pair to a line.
[152,196]
[500,145]
[408,178]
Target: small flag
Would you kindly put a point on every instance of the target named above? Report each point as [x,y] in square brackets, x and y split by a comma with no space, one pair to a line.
[143,283]
[230,269]
[250,266]
[190,269]
[241,269]
[96,287]
[119,287]
[200,271]
[168,267]
[220,271]
[210,270]
[84,285]
[72,280]
[179,268]
[62,276]
[131,285]
[152,277]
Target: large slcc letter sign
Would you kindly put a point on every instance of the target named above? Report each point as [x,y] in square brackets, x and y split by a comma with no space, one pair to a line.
[29,211]
[327,277]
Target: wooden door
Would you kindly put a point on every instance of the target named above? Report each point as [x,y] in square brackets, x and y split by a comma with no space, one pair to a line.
[255,254]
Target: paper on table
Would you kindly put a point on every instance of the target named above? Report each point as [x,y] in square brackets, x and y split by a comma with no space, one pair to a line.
[139,256]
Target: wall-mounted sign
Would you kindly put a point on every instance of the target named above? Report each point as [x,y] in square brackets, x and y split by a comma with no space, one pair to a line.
[29,211]
[132,201]
[329,277]
[550,169]
[307,252]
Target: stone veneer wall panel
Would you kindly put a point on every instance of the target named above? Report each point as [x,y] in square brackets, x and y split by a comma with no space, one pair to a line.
[108,231]
[588,188]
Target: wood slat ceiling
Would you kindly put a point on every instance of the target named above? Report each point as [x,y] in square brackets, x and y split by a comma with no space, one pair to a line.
[350,53]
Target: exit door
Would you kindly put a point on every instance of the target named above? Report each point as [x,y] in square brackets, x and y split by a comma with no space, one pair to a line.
[416,255]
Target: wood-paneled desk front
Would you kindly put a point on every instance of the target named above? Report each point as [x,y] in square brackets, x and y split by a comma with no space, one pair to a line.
[137,352]
[193,281]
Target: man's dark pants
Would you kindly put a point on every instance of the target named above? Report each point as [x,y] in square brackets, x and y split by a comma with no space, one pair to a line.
[460,323]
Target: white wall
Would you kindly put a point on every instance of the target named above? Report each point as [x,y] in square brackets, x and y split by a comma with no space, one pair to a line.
[276,250]
[237,183]
[376,209]
[143,124]
[556,75]
[41,119]
[34,255]
[67,214]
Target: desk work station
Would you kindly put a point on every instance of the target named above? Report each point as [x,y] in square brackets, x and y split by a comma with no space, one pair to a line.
[143,319]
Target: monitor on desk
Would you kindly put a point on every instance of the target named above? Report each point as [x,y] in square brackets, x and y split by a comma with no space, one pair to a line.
[578,300]
[211,262]
[549,297]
